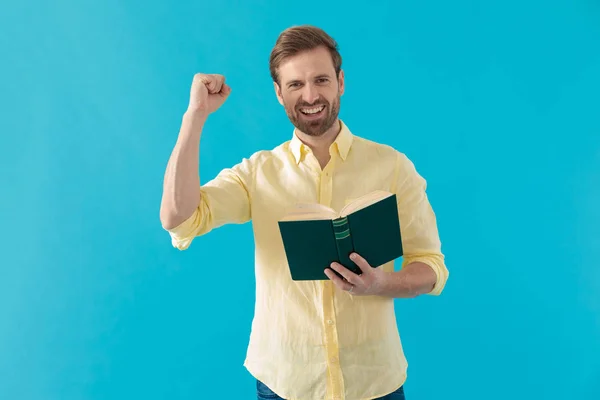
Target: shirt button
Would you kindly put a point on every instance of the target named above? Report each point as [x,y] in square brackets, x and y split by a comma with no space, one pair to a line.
[330,322]
[333,359]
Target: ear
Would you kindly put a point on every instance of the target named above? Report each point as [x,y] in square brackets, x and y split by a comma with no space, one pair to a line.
[278,92]
[341,82]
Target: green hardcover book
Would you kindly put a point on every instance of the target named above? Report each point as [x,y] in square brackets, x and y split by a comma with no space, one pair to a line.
[314,235]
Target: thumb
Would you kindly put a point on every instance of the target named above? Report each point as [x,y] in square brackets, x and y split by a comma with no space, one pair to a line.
[225,90]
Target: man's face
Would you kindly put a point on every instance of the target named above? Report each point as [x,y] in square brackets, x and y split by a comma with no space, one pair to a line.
[310,91]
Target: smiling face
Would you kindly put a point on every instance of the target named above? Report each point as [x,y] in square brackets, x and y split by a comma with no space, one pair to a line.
[310,91]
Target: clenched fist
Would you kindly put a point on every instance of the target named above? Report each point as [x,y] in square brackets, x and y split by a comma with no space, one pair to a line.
[208,93]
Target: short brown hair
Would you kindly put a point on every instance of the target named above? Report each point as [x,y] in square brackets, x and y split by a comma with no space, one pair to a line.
[301,38]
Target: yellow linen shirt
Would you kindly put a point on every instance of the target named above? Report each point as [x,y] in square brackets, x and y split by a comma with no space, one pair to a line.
[309,340]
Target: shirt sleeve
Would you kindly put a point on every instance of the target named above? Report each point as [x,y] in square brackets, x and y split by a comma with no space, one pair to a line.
[418,226]
[223,200]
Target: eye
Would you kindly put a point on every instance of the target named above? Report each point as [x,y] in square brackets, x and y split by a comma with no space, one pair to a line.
[322,80]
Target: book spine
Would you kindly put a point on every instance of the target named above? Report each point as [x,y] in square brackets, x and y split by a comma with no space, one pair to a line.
[345,246]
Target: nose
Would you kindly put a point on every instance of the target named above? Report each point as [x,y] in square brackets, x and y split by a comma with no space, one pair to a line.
[310,94]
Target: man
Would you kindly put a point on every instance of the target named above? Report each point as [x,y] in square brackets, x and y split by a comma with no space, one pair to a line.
[329,339]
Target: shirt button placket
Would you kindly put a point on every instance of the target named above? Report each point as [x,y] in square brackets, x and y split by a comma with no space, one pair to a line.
[335,388]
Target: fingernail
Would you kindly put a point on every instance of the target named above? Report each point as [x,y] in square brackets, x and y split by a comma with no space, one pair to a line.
[353,256]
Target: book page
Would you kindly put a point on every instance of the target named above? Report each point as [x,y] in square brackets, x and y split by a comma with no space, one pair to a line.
[309,211]
[364,201]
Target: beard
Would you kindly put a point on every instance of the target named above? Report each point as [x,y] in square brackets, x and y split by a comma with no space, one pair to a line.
[314,127]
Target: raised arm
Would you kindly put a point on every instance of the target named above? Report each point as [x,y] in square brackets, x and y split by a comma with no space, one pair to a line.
[181,187]
[189,209]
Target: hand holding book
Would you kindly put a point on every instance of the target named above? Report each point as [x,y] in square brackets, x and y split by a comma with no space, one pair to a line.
[370,282]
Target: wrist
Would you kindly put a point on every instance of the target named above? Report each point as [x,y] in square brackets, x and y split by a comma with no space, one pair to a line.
[386,284]
[394,284]
[193,122]
[196,115]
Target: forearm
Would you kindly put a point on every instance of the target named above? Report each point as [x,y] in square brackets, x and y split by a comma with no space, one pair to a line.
[412,280]
[181,186]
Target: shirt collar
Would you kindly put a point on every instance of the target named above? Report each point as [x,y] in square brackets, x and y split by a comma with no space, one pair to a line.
[342,144]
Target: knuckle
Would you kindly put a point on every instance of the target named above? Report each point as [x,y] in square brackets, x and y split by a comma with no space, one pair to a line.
[200,78]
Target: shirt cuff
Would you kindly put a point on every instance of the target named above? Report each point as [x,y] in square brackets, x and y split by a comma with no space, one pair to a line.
[436,262]
[183,234]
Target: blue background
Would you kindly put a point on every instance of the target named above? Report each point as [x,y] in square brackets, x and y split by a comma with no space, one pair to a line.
[497,103]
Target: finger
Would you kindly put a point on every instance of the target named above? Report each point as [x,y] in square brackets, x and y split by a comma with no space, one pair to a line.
[225,90]
[345,272]
[217,83]
[361,262]
[209,81]
[205,79]
[339,282]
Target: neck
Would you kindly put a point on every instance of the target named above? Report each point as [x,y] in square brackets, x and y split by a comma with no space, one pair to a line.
[320,144]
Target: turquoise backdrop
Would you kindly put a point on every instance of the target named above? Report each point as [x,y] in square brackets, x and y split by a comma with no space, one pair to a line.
[496,102]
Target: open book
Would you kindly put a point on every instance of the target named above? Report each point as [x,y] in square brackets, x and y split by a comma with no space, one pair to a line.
[315,235]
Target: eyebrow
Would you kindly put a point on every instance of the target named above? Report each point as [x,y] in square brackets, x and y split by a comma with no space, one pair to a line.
[316,77]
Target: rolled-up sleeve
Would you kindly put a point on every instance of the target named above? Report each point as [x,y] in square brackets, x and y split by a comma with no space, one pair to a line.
[418,225]
[223,200]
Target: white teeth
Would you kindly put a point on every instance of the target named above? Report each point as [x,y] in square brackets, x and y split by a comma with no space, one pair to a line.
[312,110]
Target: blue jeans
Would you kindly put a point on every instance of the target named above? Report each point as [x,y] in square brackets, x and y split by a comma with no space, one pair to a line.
[264,393]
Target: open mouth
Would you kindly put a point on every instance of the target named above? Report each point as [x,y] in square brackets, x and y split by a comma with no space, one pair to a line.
[313,112]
